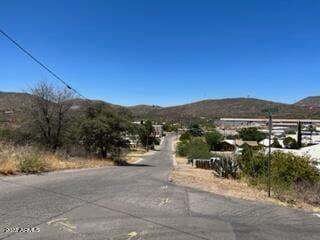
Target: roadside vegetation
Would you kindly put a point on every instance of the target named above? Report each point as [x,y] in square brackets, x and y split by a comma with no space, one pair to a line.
[294,179]
[288,174]
[57,131]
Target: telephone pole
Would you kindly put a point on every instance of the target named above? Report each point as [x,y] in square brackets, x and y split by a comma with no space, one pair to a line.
[269,111]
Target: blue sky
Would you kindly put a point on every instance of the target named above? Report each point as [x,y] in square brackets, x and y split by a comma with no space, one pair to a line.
[165,52]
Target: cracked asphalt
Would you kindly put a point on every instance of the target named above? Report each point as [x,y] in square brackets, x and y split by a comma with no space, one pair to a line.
[139,202]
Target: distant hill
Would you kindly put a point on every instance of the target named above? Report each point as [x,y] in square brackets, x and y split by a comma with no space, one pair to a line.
[229,107]
[313,101]
[14,106]
[216,108]
[13,101]
[144,110]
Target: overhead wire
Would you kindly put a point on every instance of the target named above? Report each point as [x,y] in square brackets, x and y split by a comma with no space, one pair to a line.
[11,39]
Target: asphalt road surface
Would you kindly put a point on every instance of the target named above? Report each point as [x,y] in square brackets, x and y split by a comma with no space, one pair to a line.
[138,202]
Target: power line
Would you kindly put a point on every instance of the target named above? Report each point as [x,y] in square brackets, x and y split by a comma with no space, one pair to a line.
[40,63]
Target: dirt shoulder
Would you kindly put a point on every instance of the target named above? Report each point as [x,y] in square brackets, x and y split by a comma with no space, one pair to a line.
[186,175]
[11,157]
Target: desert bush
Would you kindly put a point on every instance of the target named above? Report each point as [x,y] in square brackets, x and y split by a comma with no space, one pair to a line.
[252,163]
[251,134]
[185,136]
[307,192]
[226,167]
[276,143]
[157,141]
[213,139]
[31,163]
[194,148]
[290,143]
[182,149]
[289,169]
[5,133]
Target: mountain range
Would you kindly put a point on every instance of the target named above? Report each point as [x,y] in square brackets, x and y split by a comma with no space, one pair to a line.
[308,107]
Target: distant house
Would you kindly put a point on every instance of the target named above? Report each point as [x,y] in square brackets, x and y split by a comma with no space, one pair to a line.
[265,142]
[241,143]
[226,146]
[236,145]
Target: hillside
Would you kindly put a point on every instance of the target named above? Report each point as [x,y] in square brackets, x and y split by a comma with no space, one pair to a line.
[231,107]
[228,107]
[12,101]
[143,110]
[313,101]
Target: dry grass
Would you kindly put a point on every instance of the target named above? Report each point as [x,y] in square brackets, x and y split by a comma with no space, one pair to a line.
[137,154]
[11,156]
[206,180]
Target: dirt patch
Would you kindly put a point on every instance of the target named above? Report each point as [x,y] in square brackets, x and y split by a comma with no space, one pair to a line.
[186,175]
[137,154]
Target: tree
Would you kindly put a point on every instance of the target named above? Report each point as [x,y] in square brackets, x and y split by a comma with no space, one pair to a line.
[299,136]
[195,130]
[48,120]
[311,129]
[290,143]
[186,136]
[213,139]
[195,148]
[103,130]
[146,131]
[251,134]
[252,163]
[276,143]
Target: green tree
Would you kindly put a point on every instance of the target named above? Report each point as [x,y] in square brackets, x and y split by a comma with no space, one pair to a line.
[196,147]
[290,143]
[195,130]
[186,136]
[251,134]
[252,163]
[146,134]
[213,139]
[103,130]
[299,136]
[276,143]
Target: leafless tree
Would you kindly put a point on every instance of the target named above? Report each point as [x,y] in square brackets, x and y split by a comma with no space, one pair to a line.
[49,111]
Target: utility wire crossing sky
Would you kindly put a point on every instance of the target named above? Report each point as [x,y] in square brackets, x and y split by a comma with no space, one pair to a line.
[165,52]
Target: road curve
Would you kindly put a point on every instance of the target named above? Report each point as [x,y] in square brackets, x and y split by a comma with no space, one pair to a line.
[138,202]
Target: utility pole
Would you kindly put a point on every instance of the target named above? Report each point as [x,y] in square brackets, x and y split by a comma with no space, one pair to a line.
[269,111]
[269,154]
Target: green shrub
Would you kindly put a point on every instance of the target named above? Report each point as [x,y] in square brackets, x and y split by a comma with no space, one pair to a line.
[31,164]
[5,133]
[156,141]
[182,149]
[185,136]
[290,143]
[194,148]
[276,143]
[252,163]
[289,168]
[198,148]
[251,134]
[213,139]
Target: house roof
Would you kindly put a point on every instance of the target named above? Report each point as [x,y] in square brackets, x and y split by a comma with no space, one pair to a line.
[239,142]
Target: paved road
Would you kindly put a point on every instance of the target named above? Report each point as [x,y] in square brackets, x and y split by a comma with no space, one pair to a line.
[138,202]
